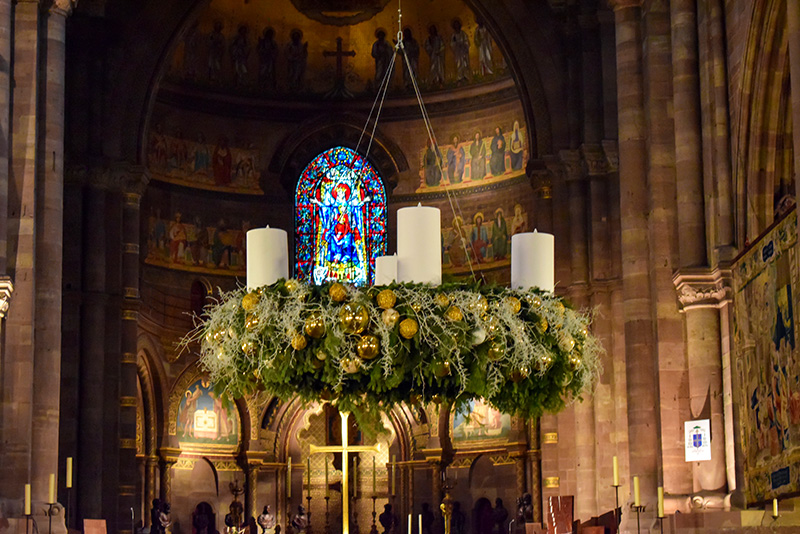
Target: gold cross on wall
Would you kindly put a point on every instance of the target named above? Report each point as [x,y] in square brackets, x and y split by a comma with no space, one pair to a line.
[344,449]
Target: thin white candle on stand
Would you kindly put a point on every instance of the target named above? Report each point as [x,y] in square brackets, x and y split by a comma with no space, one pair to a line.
[660,501]
[419,245]
[409,523]
[267,256]
[615,471]
[27,499]
[385,270]
[420,523]
[51,489]
[69,471]
[533,261]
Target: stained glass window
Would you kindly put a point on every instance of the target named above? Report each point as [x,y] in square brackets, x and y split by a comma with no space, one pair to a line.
[340,219]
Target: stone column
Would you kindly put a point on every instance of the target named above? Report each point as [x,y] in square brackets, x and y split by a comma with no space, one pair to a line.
[793,22]
[149,486]
[641,356]
[701,292]
[252,461]
[519,471]
[436,490]
[18,360]
[168,458]
[5,131]
[535,461]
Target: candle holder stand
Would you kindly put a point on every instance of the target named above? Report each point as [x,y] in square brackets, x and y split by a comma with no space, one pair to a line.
[617,510]
[67,509]
[638,510]
[354,515]
[50,506]
[661,524]
[327,515]
[27,523]
[374,529]
[392,530]
[308,513]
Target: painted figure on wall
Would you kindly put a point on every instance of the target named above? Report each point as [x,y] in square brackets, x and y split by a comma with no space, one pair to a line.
[202,158]
[205,418]
[497,163]
[382,53]
[216,50]
[455,161]
[482,422]
[499,235]
[411,47]
[222,162]
[433,157]
[483,42]
[479,238]
[515,148]
[267,50]
[477,151]
[434,46]
[177,239]
[240,51]
[457,243]
[518,224]
[459,43]
[296,58]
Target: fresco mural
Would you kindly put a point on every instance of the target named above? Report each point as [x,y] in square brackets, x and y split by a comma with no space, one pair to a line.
[205,418]
[479,159]
[192,241]
[487,243]
[767,362]
[481,423]
[198,162]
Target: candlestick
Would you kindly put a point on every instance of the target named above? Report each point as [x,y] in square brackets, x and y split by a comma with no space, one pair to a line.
[327,489]
[27,499]
[355,477]
[394,473]
[636,500]
[308,475]
[51,489]
[775,508]
[289,478]
[660,501]
[615,471]
[373,476]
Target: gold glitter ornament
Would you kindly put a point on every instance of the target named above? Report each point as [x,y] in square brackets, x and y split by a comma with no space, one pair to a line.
[250,301]
[535,301]
[440,368]
[291,285]
[518,375]
[390,317]
[513,304]
[454,314]
[542,324]
[416,307]
[442,300]
[321,355]
[314,325]
[386,299]
[337,292]
[481,306]
[368,347]
[299,342]
[248,348]
[584,331]
[575,362]
[251,321]
[496,351]
[350,365]
[316,364]
[566,343]
[354,318]
[492,326]
[408,328]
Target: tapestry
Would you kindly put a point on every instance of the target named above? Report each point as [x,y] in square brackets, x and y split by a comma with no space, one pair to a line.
[765,362]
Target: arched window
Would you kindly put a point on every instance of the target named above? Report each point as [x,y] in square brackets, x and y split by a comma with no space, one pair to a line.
[340,219]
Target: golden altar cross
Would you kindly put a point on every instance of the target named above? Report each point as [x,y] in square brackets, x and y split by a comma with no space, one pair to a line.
[344,449]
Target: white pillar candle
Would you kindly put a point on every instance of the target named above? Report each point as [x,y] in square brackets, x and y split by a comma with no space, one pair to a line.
[385,270]
[419,245]
[267,256]
[533,261]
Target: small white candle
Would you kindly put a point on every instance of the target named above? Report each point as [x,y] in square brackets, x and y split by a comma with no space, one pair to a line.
[51,489]
[409,523]
[420,523]
[385,270]
[660,501]
[636,495]
[615,471]
[27,499]
[69,471]
[775,508]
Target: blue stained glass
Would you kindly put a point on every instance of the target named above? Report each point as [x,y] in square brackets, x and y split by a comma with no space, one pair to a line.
[340,219]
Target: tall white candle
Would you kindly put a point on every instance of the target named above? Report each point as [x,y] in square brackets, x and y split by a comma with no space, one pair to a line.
[775,508]
[27,499]
[419,245]
[69,471]
[51,489]
[420,523]
[409,523]
[615,471]
[533,261]
[660,501]
[385,270]
[636,494]
[267,256]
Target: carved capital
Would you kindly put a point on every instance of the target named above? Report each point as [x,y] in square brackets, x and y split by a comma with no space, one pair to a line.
[169,456]
[594,157]
[61,7]
[611,150]
[573,168]
[703,288]
[6,289]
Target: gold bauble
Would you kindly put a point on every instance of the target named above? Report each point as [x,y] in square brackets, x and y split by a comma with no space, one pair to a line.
[251,321]
[299,342]
[416,307]
[291,285]
[442,300]
[535,301]
[492,325]
[584,331]
[232,333]
[368,347]
[518,375]
[575,362]
[354,318]
[248,348]
[221,354]
[321,355]
[209,337]
[542,324]
[559,306]
[390,317]
[481,306]
[250,301]
[454,314]
[219,334]
[317,364]
[566,343]
[314,326]
[408,328]
[513,304]
[386,299]
[496,351]
[440,368]
[546,362]
[350,364]
[338,292]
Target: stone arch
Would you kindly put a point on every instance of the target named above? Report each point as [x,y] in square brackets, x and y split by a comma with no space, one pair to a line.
[764,123]
[152,378]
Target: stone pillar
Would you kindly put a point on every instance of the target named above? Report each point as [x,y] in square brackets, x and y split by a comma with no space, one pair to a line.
[519,471]
[535,461]
[793,23]
[436,486]
[168,458]
[251,462]
[18,365]
[5,131]
[640,352]
[701,293]
[133,182]
[149,486]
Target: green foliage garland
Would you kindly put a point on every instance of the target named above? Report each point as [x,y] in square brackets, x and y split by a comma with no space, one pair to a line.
[524,352]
